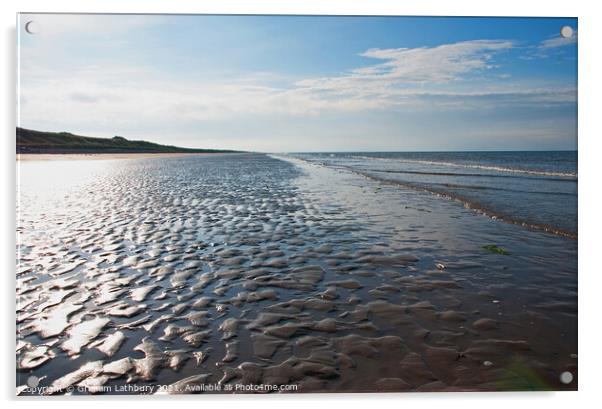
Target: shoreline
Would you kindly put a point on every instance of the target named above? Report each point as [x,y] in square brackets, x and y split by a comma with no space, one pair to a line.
[110,155]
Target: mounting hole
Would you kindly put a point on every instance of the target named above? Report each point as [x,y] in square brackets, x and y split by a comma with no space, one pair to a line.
[566,377]
[33,381]
[566,32]
[31,27]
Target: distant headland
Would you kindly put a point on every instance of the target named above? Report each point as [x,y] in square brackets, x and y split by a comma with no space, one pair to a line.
[30,141]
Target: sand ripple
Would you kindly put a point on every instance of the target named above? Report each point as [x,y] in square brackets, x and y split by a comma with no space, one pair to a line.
[196,270]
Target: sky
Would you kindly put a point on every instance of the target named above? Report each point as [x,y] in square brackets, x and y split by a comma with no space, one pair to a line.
[303,83]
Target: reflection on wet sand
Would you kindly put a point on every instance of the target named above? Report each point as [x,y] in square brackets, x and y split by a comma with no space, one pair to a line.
[191,270]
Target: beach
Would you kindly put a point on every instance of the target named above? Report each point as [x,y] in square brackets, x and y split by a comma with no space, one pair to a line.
[106,156]
[188,271]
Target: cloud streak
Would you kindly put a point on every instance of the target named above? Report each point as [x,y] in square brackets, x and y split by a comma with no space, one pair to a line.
[558,41]
[442,64]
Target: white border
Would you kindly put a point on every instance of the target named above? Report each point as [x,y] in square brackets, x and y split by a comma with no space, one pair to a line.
[589,185]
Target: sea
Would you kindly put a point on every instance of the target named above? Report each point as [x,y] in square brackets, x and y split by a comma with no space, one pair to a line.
[536,189]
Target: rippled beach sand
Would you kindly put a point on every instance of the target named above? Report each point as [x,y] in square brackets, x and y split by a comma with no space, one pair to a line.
[251,269]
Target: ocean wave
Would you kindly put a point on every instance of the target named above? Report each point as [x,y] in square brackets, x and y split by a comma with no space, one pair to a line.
[489,175]
[445,190]
[474,205]
[472,166]
[502,189]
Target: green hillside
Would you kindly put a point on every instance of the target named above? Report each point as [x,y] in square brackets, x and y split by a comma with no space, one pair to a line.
[29,141]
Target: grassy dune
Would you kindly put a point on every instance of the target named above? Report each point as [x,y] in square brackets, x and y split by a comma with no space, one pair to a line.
[30,141]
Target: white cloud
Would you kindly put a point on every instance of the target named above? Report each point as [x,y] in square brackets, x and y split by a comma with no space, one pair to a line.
[415,77]
[558,41]
[547,47]
[445,63]
[93,96]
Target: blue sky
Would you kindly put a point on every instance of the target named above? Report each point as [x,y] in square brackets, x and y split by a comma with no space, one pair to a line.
[293,83]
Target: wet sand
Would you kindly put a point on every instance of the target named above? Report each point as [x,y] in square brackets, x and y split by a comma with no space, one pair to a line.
[105,156]
[200,273]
